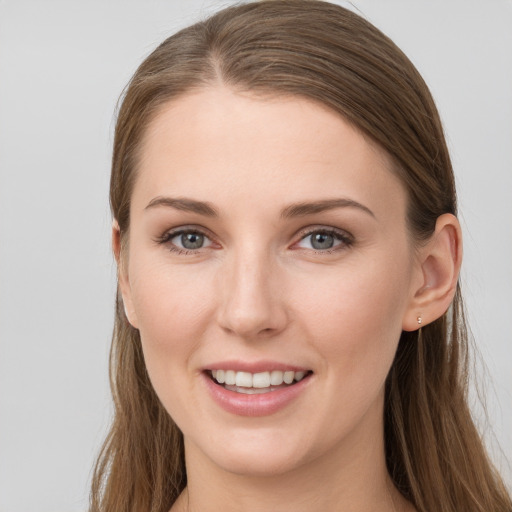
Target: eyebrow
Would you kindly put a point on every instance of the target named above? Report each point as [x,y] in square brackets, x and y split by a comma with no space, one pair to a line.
[294,210]
[303,209]
[184,204]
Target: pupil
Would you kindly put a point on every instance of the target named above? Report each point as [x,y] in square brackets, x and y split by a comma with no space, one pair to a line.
[192,240]
[322,241]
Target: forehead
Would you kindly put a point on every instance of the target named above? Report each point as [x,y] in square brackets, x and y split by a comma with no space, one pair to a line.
[221,146]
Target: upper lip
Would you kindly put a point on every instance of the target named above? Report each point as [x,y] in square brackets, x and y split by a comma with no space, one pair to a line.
[255,366]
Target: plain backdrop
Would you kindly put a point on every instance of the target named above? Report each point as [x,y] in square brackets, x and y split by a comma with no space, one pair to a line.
[63,65]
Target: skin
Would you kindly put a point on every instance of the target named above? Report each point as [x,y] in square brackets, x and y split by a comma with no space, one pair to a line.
[258,290]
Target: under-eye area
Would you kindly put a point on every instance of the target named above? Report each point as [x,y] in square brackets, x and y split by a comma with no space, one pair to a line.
[257,383]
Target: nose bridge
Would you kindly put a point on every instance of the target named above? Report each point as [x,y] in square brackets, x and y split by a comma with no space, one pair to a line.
[251,302]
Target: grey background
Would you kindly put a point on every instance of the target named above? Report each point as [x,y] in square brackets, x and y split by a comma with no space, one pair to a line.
[62,67]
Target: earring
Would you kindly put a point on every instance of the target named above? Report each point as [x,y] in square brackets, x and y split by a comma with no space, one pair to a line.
[419,320]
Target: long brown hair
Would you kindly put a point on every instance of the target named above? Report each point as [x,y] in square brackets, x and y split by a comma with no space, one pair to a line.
[329,55]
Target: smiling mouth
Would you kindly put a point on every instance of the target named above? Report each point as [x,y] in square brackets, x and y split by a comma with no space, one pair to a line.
[256,383]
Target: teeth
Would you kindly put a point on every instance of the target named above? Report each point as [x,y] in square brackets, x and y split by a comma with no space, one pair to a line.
[243,379]
[256,380]
[299,376]
[276,378]
[230,377]
[261,380]
[288,377]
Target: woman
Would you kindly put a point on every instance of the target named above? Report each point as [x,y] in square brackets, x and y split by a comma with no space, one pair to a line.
[289,326]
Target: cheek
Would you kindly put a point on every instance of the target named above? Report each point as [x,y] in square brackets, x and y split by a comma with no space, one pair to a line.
[354,315]
[170,301]
[173,307]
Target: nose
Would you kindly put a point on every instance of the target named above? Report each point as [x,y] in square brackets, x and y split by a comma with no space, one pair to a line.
[252,301]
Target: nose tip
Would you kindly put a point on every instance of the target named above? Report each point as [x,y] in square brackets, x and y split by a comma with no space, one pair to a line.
[252,305]
[250,324]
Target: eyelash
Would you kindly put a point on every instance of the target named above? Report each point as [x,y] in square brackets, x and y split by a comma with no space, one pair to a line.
[169,235]
[345,238]
[342,236]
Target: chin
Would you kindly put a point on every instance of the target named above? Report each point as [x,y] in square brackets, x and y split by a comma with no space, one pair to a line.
[260,453]
[259,465]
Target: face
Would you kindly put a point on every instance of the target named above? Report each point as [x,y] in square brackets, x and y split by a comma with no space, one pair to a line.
[269,271]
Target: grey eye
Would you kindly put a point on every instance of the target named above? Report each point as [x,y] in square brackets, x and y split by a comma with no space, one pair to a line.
[322,241]
[191,240]
[186,240]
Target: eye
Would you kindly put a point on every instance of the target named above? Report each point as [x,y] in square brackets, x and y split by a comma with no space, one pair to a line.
[184,241]
[190,240]
[324,240]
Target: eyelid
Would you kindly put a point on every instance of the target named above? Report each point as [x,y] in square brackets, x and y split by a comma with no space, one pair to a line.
[179,234]
[171,233]
[343,236]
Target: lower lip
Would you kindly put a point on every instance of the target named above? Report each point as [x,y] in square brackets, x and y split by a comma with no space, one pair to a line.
[262,404]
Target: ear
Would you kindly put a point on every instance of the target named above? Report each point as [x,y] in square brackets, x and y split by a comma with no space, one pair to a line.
[438,271]
[122,274]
